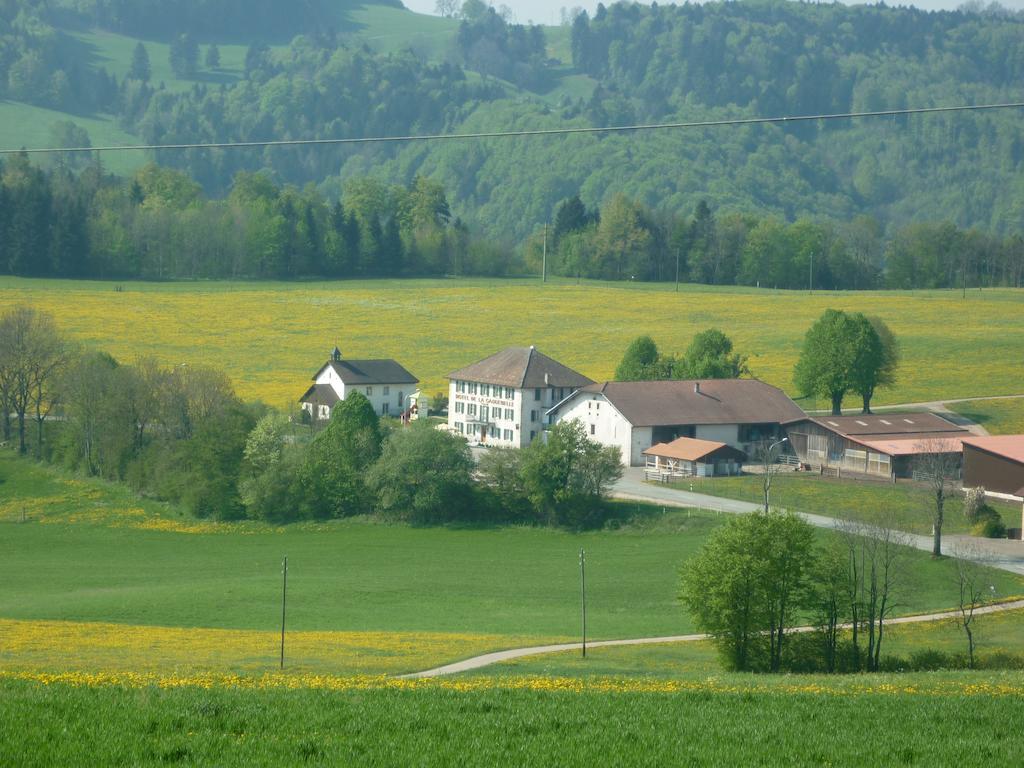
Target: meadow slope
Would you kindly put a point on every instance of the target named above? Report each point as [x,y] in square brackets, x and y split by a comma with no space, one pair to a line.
[272,337]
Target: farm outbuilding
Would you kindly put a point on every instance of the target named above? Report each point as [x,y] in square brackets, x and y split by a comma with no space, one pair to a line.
[634,415]
[995,464]
[689,457]
[875,445]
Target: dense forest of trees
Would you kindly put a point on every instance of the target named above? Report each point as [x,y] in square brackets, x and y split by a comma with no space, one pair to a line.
[158,225]
[630,62]
[627,241]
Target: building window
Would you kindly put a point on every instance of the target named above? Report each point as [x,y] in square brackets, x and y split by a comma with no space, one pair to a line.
[532,434]
[472,409]
[369,391]
[485,413]
[533,415]
[510,393]
[384,409]
[510,414]
[508,434]
[460,427]
[387,391]
[593,428]
[472,387]
[536,394]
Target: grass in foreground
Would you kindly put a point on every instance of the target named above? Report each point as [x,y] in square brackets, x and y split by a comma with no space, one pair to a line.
[271,337]
[947,720]
[849,499]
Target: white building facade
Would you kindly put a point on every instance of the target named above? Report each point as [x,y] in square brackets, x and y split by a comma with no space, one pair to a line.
[386,384]
[635,415]
[502,401]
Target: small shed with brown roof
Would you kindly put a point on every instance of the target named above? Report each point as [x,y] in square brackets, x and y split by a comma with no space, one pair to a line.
[882,445]
[995,463]
[689,457]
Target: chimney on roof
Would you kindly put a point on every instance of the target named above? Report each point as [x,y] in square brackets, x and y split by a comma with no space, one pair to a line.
[696,387]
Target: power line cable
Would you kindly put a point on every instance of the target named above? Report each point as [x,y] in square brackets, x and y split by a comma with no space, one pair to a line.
[534,132]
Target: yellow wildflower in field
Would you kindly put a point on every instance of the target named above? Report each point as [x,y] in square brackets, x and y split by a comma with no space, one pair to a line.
[271,338]
[106,647]
[559,685]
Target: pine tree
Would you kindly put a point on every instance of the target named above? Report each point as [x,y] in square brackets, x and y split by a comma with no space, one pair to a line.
[140,69]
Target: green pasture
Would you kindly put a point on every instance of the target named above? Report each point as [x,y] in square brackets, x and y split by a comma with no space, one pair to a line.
[113,52]
[911,504]
[999,417]
[90,552]
[389,29]
[883,722]
[24,125]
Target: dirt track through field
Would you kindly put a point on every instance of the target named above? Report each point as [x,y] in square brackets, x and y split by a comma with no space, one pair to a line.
[487,659]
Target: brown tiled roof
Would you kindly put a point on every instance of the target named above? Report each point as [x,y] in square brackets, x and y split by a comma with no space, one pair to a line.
[718,401]
[321,394]
[521,367]
[356,372]
[917,445]
[1008,446]
[690,449]
[888,425]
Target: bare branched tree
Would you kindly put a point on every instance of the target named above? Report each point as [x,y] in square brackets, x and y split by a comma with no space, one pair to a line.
[875,553]
[972,588]
[768,451]
[937,464]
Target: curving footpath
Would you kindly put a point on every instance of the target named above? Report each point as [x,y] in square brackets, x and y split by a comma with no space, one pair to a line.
[497,657]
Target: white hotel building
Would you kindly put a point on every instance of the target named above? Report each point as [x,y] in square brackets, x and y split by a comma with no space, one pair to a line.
[502,400]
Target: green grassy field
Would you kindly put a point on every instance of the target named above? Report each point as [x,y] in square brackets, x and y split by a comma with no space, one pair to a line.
[113,52]
[947,720]
[911,504]
[1001,633]
[271,337]
[91,554]
[999,417]
[23,125]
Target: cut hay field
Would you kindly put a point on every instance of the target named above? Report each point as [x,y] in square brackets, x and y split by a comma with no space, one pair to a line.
[271,337]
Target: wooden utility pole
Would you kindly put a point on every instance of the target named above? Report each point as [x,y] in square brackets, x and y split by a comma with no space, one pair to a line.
[677,269]
[583,594]
[284,600]
[544,263]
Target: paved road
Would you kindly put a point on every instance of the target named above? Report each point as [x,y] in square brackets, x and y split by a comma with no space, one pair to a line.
[487,659]
[999,553]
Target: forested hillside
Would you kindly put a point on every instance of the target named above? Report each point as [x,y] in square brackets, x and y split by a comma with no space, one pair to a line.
[169,71]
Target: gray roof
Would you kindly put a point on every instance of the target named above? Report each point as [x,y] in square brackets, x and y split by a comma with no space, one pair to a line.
[370,372]
[887,425]
[521,367]
[321,394]
[718,401]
